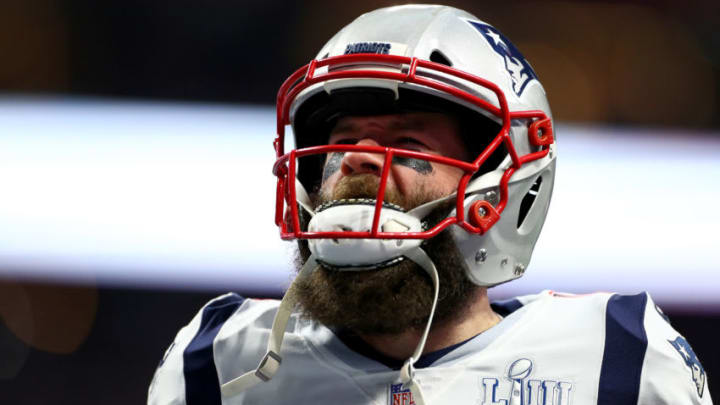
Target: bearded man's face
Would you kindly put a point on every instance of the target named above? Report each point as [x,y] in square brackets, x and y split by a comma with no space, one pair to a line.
[395,298]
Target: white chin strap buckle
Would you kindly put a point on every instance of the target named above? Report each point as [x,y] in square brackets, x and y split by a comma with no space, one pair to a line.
[359,253]
[268,366]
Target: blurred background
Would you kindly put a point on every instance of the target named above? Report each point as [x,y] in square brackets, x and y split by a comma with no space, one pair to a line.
[136,149]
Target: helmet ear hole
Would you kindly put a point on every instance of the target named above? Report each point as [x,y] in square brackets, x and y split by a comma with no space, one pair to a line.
[438,57]
[528,200]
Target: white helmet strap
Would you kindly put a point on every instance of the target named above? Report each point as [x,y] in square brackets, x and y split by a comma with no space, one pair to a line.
[407,372]
[270,363]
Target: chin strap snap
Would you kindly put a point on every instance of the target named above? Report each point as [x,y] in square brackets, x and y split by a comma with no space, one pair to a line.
[270,363]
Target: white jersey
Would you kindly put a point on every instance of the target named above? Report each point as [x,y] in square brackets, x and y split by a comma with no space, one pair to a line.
[550,349]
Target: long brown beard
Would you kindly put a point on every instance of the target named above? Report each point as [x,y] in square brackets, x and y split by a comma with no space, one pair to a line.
[393,299]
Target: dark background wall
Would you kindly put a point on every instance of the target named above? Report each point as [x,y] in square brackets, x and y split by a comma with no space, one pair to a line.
[626,62]
[637,63]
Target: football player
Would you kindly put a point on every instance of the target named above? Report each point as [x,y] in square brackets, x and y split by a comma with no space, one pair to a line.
[421,176]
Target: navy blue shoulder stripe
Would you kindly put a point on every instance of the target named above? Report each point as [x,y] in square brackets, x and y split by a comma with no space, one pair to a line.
[625,346]
[202,385]
[506,307]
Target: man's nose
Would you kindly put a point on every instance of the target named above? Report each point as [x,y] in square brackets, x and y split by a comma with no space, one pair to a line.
[362,162]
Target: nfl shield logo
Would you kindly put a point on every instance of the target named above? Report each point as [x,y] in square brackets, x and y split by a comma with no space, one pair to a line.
[400,396]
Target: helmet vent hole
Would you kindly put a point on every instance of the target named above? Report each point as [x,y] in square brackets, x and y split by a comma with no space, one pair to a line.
[437,57]
[528,200]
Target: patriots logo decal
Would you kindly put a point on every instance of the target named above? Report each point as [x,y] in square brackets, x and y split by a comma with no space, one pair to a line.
[519,70]
[380,48]
[691,360]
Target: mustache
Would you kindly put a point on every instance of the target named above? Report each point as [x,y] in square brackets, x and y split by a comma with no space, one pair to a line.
[364,185]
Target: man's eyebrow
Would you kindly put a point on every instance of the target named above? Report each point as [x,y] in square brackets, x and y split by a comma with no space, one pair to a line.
[344,127]
[406,123]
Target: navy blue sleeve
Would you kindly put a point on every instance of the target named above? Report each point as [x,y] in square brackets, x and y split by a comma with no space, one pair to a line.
[625,346]
[202,385]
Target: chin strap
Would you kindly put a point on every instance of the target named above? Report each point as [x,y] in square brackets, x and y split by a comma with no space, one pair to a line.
[270,363]
[407,373]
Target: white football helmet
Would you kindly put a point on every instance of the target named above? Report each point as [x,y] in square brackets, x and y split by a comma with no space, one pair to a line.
[429,57]
[410,58]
